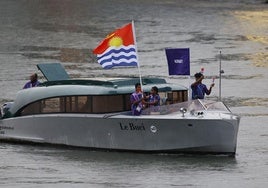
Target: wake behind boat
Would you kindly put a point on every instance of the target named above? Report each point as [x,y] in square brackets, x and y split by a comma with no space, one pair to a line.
[96,114]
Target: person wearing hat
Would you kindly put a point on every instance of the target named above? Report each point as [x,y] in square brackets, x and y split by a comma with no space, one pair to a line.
[198,88]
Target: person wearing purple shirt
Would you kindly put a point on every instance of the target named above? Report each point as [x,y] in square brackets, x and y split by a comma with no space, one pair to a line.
[153,98]
[198,88]
[33,82]
[136,100]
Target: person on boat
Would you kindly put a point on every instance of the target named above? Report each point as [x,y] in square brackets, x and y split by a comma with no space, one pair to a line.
[33,82]
[198,88]
[153,98]
[136,99]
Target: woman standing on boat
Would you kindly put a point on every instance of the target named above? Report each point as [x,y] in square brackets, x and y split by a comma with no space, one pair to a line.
[198,88]
[153,98]
[136,100]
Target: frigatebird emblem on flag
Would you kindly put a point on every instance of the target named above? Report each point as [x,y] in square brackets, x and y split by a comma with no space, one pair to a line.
[118,49]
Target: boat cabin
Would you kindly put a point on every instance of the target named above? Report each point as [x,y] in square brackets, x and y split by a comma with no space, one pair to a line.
[94,96]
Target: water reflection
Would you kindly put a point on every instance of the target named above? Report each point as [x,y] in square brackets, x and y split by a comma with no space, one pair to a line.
[66,31]
[256,19]
[255,23]
[260,59]
[126,160]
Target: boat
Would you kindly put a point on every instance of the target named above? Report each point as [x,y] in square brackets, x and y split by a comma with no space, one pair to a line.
[95,114]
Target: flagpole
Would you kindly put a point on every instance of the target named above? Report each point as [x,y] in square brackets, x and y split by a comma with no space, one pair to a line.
[135,42]
[189,88]
[220,73]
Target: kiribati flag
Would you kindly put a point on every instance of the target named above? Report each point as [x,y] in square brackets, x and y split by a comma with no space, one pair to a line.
[118,49]
[178,61]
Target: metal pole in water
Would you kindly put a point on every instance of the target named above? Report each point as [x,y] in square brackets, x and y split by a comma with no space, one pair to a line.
[220,72]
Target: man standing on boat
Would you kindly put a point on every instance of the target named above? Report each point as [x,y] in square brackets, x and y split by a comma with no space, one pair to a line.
[136,100]
[33,82]
[198,88]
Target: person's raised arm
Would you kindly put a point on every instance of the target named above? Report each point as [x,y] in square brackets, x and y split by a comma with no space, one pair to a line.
[210,89]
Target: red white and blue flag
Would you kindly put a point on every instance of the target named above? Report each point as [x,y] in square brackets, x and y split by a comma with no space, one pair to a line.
[118,49]
[178,61]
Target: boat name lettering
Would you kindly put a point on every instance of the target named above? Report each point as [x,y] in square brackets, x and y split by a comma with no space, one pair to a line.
[6,127]
[131,127]
[3,128]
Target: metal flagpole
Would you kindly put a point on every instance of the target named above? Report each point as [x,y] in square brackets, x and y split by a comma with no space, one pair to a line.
[220,73]
[135,42]
[189,88]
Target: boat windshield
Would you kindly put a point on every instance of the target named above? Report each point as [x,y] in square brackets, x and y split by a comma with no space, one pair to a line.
[214,105]
[191,106]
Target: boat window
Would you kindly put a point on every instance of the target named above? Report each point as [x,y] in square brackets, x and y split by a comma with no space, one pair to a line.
[103,104]
[79,104]
[51,105]
[94,104]
[196,105]
[173,97]
[34,108]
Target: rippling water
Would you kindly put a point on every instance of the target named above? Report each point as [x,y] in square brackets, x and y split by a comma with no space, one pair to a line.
[33,32]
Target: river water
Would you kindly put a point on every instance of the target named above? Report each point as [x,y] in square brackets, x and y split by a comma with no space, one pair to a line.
[43,31]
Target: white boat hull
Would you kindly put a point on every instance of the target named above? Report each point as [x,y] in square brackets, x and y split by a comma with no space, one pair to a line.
[146,133]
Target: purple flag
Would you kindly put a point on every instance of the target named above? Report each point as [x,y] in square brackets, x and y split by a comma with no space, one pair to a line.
[178,61]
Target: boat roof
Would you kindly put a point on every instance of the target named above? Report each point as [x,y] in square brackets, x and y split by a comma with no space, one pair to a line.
[56,75]
[55,87]
[89,87]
